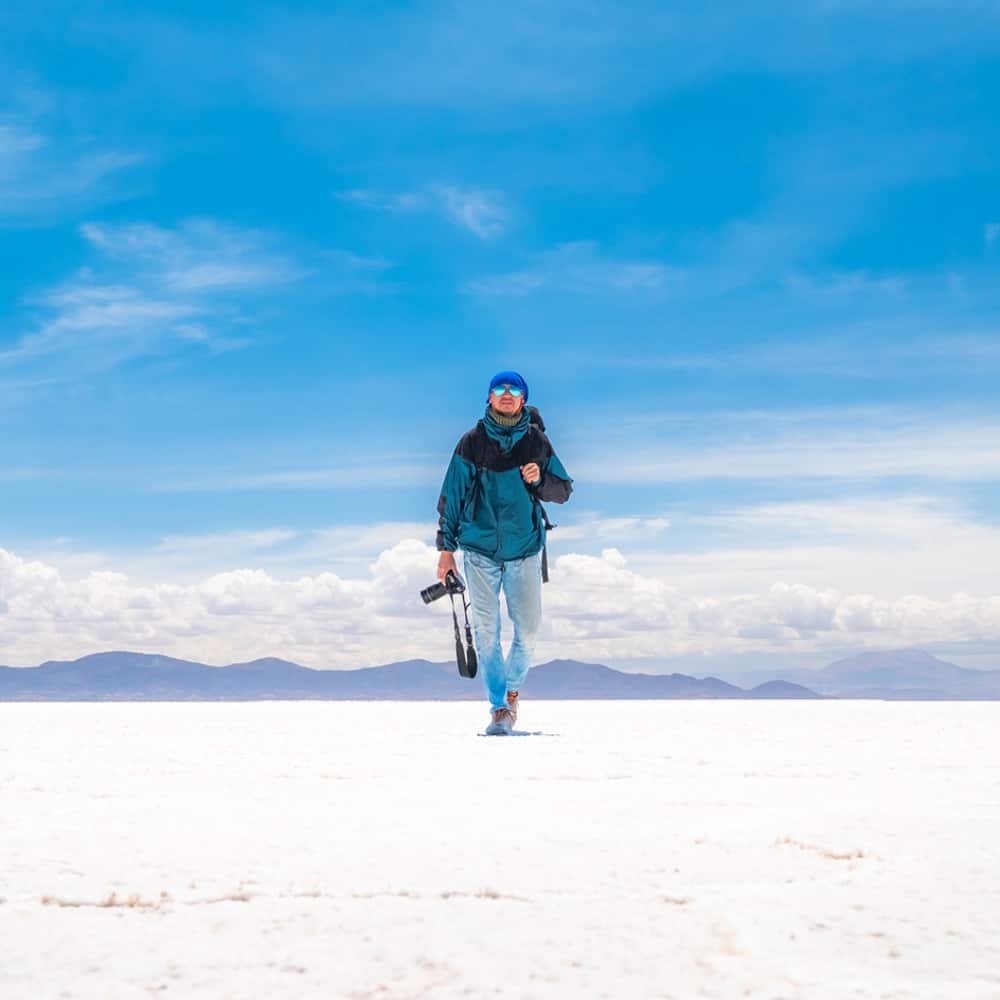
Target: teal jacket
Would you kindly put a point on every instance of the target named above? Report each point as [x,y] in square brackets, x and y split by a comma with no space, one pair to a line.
[485,506]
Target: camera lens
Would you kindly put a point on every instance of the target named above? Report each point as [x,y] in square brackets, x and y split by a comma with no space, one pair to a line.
[433,593]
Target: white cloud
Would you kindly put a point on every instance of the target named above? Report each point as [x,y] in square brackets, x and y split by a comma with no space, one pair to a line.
[14,473]
[881,352]
[40,175]
[792,579]
[885,547]
[504,62]
[601,608]
[366,538]
[594,527]
[154,288]
[846,285]
[904,521]
[403,201]
[392,471]
[482,213]
[224,544]
[858,445]
[580,269]
[199,255]
[94,327]
[478,211]
[323,620]
[16,145]
[279,551]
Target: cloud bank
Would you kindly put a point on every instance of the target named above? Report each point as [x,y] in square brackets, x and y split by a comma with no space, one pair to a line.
[598,608]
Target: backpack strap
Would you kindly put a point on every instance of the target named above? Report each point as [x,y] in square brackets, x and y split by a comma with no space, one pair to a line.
[479,458]
[545,542]
[536,429]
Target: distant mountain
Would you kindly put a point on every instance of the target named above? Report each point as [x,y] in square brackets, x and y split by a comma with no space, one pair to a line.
[898,674]
[781,689]
[572,679]
[126,676]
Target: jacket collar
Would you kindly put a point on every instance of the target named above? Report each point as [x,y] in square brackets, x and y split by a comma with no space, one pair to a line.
[506,437]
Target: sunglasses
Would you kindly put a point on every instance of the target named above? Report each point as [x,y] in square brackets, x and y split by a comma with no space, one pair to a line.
[499,390]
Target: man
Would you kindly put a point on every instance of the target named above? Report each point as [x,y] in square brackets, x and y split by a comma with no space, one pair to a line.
[489,507]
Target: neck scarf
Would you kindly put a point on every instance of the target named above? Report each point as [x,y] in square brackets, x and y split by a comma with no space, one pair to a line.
[502,419]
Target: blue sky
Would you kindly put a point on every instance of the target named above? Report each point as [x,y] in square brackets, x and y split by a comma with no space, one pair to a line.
[260,264]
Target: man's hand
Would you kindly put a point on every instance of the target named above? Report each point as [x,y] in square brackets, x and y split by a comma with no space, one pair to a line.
[531,473]
[446,564]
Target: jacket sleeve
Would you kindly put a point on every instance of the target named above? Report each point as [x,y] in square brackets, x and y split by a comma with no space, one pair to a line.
[555,484]
[457,482]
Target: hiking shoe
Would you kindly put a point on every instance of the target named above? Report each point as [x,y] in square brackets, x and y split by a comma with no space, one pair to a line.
[512,705]
[501,722]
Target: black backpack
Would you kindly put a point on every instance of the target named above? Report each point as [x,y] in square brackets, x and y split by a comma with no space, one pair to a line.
[530,445]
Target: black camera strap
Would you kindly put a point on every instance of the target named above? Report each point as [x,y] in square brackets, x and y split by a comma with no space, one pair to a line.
[466,656]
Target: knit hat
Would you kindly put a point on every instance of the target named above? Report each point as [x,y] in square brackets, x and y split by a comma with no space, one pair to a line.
[511,379]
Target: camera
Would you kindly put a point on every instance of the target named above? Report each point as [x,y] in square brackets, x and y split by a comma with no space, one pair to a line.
[452,585]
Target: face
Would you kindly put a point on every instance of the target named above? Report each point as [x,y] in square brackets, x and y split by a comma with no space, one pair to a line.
[506,404]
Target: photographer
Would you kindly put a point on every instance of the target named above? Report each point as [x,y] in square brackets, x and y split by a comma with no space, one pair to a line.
[489,508]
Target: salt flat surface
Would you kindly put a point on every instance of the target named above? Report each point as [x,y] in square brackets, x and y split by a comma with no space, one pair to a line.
[636,849]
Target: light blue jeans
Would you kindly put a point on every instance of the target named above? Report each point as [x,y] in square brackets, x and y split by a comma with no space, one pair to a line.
[521,580]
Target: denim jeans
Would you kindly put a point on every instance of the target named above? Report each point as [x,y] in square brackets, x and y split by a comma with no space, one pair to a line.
[521,580]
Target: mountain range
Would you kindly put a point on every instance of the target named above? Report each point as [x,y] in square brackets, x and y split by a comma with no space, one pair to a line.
[908,674]
[127,676]
[895,675]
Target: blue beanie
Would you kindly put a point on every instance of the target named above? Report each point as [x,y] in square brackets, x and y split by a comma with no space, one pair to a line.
[509,378]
